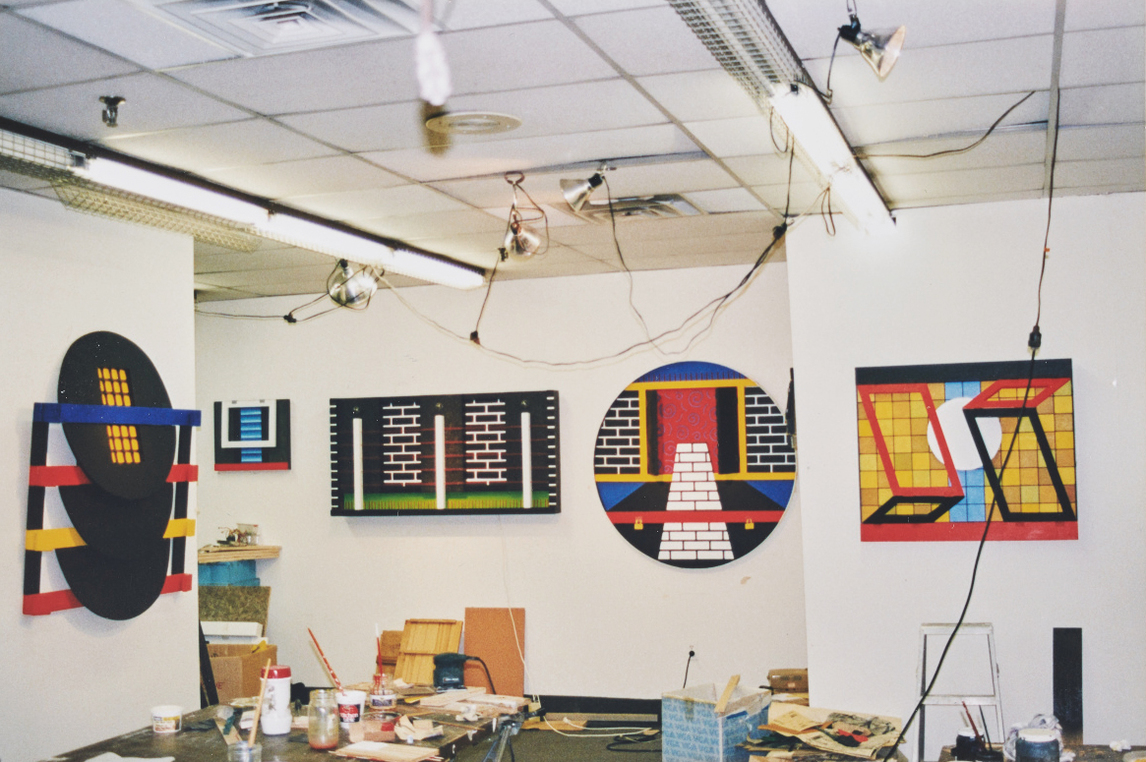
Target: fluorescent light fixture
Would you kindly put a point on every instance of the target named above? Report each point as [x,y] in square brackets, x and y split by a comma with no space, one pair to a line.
[746,40]
[364,251]
[170,191]
[810,123]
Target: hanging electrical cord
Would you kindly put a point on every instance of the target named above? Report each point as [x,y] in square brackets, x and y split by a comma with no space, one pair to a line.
[625,265]
[489,287]
[1034,342]
[861,154]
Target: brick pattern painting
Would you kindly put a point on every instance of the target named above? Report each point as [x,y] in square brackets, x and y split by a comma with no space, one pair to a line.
[445,454]
[693,464]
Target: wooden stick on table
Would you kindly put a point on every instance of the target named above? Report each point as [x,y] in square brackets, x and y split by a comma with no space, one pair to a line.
[259,706]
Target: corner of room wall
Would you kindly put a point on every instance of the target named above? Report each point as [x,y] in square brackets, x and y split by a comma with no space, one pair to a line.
[72,677]
[958,284]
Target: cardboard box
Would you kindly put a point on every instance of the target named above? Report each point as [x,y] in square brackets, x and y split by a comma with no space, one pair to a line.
[788,680]
[692,731]
[236,668]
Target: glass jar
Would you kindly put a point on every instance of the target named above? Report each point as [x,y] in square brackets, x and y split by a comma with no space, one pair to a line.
[322,720]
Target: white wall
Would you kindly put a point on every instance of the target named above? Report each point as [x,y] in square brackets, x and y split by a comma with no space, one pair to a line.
[72,678]
[601,618]
[959,285]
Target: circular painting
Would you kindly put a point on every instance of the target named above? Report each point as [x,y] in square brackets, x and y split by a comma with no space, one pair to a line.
[694,464]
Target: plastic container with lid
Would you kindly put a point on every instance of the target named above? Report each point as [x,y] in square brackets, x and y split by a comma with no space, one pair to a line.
[275,718]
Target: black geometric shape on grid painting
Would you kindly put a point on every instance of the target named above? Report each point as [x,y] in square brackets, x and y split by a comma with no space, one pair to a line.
[116,527]
[122,515]
[1067,510]
[883,514]
[114,588]
[79,384]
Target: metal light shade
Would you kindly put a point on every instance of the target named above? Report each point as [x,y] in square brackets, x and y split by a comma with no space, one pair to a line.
[880,48]
[577,192]
[348,288]
[521,241]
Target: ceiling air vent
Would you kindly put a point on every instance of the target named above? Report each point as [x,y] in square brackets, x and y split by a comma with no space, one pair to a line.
[639,208]
[258,28]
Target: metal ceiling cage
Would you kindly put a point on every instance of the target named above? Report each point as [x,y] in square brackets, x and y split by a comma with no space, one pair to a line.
[84,196]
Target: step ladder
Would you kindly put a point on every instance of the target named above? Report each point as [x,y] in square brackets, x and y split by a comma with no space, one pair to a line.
[932,639]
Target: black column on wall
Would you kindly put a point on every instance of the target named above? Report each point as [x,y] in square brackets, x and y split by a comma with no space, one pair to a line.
[1067,658]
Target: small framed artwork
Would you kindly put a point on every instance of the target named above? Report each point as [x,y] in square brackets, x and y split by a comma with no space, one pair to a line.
[252,435]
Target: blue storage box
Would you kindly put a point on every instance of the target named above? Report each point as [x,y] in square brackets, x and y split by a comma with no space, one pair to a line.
[692,731]
[229,573]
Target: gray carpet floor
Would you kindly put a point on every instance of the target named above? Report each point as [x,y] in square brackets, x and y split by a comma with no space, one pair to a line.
[588,746]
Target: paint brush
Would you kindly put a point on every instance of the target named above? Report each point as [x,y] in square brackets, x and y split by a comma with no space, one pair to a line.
[259,706]
[329,669]
[967,711]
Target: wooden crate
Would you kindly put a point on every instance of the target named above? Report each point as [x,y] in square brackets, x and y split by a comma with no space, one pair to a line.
[422,639]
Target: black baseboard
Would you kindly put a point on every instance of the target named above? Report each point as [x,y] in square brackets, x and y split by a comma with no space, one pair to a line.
[555,706]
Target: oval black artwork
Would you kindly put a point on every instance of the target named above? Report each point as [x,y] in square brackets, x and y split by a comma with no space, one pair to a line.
[123,513]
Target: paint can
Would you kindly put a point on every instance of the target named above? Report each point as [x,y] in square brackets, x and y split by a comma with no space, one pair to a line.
[1037,745]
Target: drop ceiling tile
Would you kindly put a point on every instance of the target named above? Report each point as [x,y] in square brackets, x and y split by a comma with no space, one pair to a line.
[887,122]
[234,144]
[745,136]
[366,73]
[725,200]
[1120,173]
[376,202]
[700,95]
[1022,146]
[497,157]
[950,71]
[554,217]
[329,174]
[1100,14]
[368,128]
[311,278]
[584,7]
[648,41]
[218,260]
[471,15]
[553,110]
[1103,57]
[810,25]
[942,185]
[981,196]
[629,180]
[152,103]
[672,177]
[37,57]
[1108,104]
[206,293]
[128,31]
[412,228]
[700,226]
[799,199]
[507,58]
[1120,141]
[768,169]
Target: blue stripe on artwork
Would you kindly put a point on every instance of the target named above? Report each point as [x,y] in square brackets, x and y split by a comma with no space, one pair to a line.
[250,455]
[52,412]
[779,491]
[690,371]
[614,492]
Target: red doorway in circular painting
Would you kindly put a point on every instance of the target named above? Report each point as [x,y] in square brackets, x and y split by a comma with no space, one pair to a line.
[694,465]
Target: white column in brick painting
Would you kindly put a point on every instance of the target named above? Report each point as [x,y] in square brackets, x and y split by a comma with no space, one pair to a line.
[694,489]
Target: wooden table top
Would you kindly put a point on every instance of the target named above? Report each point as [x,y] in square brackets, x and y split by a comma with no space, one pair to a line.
[200,741]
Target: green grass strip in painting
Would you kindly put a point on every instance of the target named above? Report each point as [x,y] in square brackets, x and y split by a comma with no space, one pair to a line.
[427,501]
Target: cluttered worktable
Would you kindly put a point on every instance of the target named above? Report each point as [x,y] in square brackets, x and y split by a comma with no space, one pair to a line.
[201,741]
